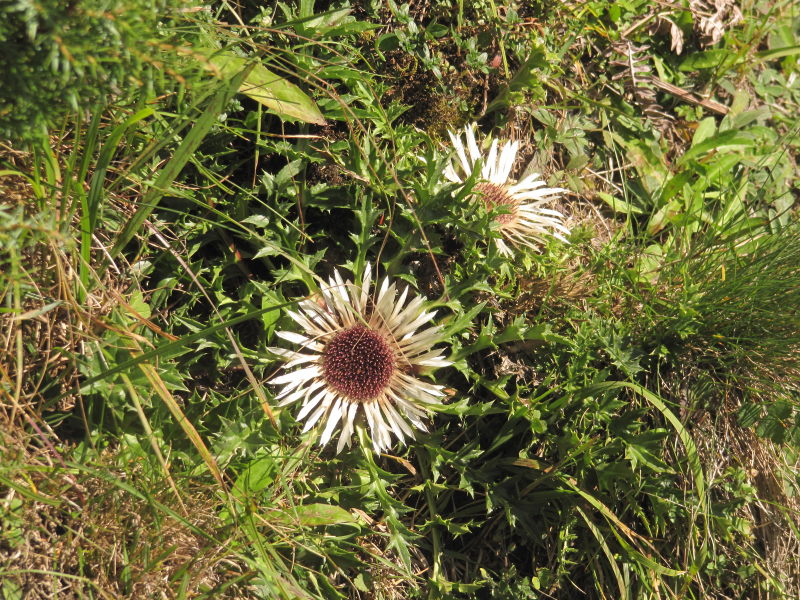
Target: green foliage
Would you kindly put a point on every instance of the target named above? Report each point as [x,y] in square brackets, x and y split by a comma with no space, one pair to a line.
[63,57]
[622,411]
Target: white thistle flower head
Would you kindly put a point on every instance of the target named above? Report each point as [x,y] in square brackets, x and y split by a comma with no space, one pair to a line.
[361,354]
[528,219]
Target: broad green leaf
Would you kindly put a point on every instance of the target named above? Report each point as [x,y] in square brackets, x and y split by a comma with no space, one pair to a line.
[781,409]
[257,220]
[707,60]
[360,582]
[638,454]
[137,304]
[311,515]
[280,96]
[772,429]
[323,514]
[257,475]
[286,174]
[692,456]
[661,217]
[779,52]
[705,129]
[619,205]
[725,141]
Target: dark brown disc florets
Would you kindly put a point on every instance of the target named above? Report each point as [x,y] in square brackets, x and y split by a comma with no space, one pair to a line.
[358,363]
[494,196]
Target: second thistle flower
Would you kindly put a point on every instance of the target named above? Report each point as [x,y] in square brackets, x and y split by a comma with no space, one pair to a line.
[528,220]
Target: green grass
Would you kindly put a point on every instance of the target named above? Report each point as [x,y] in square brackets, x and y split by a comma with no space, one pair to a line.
[623,411]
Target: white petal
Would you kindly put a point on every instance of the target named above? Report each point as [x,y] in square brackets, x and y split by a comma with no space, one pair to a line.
[419,389]
[451,175]
[366,282]
[539,194]
[347,430]
[296,377]
[309,405]
[302,320]
[506,161]
[503,248]
[283,352]
[297,338]
[385,300]
[490,166]
[399,425]
[408,315]
[350,294]
[412,412]
[379,430]
[370,420]
[323,407]
[289,394]
[420,341]
[531,182]
[432,359]
[392,420]
[398,306]
[551,212]
[459,147]
[410,327]
[325,319]
[341,297]
[300,359]
[453,139]
[535,210]
[293,397]
[373,427]
[472,145]
[333,421]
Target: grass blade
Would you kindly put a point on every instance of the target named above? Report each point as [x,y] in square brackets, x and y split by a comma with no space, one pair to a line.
[185,151]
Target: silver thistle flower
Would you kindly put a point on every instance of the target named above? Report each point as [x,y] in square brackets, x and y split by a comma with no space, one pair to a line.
[361,355]
[528,220]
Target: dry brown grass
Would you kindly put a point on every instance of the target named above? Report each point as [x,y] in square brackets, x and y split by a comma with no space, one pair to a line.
[774,513]
[82,533]
[48,325]
[68,531]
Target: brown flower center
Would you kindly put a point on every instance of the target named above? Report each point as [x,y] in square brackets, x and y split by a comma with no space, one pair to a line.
[358,363]
[494,196]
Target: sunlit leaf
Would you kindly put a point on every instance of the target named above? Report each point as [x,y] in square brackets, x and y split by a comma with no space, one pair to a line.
[279,95]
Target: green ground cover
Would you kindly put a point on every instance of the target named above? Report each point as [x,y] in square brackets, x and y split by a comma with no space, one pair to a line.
[620,417]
